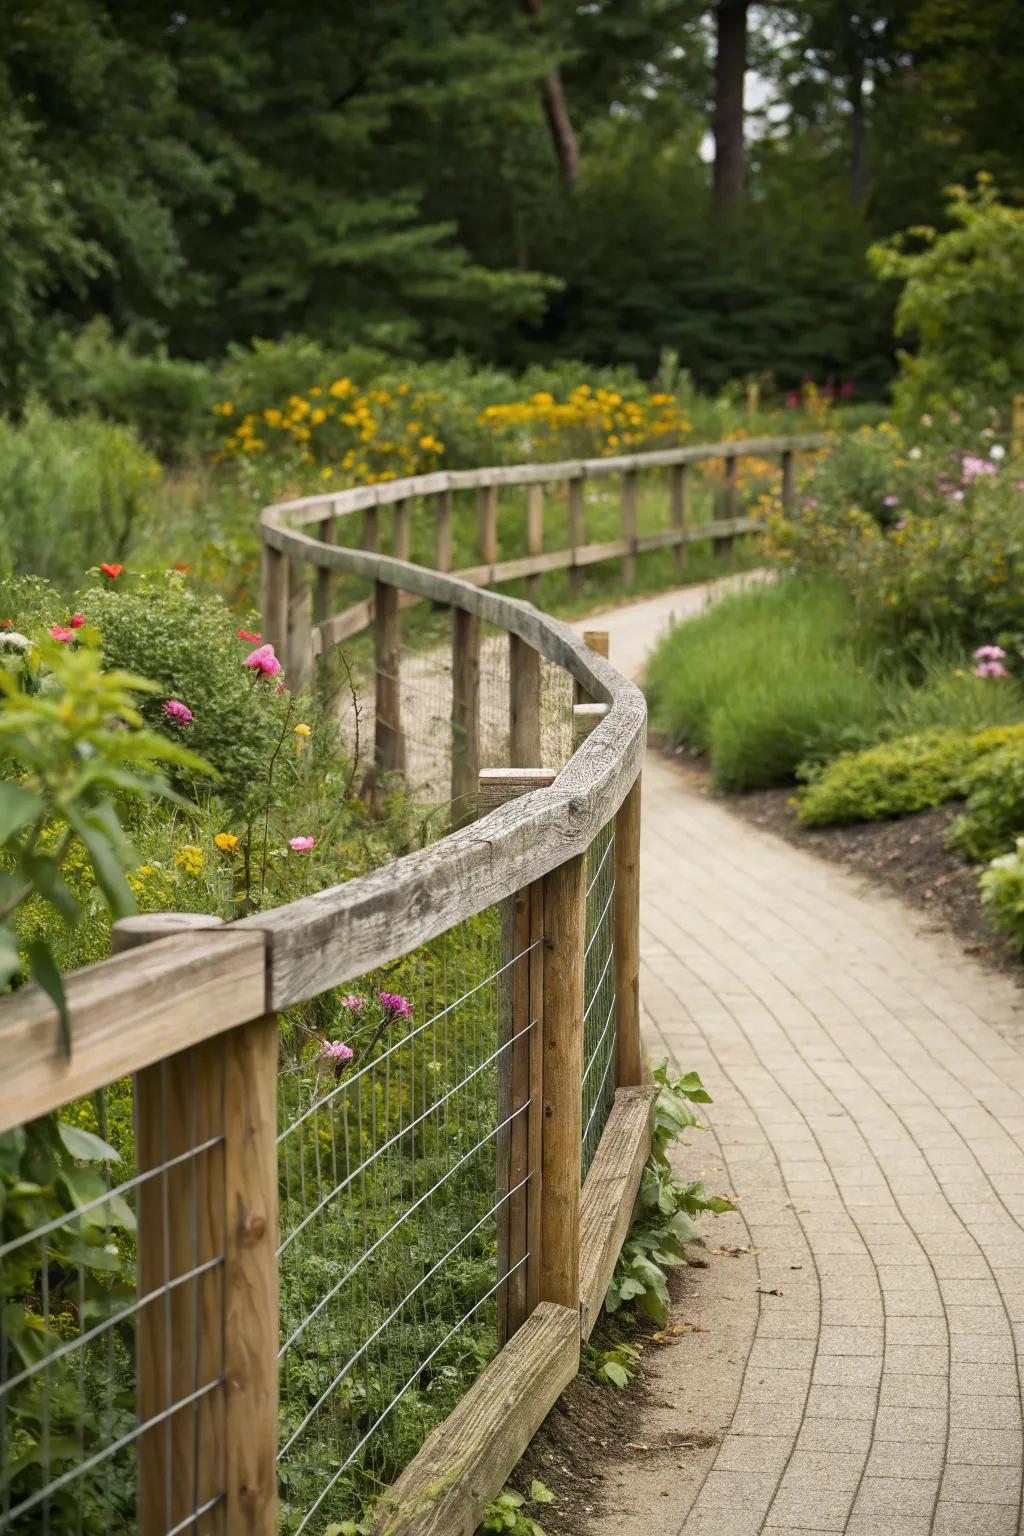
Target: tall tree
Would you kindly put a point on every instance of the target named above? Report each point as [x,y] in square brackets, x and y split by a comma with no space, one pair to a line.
[556,111]
[730,173]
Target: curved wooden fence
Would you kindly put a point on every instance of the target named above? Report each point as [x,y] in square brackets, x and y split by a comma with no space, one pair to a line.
[308,1243]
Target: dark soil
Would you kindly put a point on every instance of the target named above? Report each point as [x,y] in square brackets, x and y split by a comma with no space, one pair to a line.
[909,857]
[592,1425]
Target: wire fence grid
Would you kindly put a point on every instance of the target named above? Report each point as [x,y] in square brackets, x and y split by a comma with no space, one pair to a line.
[111,1328]
[392,1196]
[599,1022]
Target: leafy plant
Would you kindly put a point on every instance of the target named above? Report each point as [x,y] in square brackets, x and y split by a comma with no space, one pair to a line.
[994,814]
[616,1365]
[508,1512]
[72,748]
[663,1219]
[1002,891]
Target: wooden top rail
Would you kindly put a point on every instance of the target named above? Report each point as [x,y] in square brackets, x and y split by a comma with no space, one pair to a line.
[312,509]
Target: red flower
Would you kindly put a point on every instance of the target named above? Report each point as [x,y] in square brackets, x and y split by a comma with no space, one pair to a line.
[245,634]
[113,571]
[6,623]
[181,566]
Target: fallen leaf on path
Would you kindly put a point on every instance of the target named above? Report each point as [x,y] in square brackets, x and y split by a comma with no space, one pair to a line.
[732,1253]
[762,1290]
[636,1445]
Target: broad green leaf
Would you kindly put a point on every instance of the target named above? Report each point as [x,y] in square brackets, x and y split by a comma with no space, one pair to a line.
[85,1145]
[540,1493]
[18,806]
[45,971]
[616,1373]
[93,1257]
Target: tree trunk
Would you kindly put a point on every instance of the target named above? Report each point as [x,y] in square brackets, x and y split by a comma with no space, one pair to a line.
[859,170]
[730,68]
[556,111]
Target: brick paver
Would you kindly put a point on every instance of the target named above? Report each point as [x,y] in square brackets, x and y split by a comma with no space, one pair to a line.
[868,1085]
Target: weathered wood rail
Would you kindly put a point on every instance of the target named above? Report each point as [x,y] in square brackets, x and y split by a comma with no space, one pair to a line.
[179,985]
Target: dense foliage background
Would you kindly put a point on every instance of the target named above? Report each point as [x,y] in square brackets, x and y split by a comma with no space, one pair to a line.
[519,182]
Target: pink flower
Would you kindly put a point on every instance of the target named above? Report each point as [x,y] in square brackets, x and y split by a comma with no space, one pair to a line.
[301,844]
[990,653]
[973,467]
[354,1004]
[334,1050]
[263,660]
[180,713]
[810,501]
[395,1006]
[76,621]
[847,390]
[60,633]
[900,524]
[890,501]
[793,399]
[990,669]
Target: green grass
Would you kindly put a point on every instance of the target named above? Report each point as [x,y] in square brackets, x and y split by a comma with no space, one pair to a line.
[764,681]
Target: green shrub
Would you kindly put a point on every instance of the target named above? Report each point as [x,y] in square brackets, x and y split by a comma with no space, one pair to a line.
[899,778]
[73,492]
[994,814]
[1002,891]
[764,681]
[187,644]
[167,400]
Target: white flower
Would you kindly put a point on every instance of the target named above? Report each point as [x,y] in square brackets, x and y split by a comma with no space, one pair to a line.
[997,451]
[15,642]
[915,453]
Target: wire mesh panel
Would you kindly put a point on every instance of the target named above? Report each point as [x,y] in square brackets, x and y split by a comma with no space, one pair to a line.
[598,993]
[111,1328]
[391,1196]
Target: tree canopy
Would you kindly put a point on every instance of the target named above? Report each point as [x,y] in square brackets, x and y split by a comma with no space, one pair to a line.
[513,181]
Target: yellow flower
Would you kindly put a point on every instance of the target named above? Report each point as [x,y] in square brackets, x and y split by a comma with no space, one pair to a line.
[226,840]
[190,859]
[303,730]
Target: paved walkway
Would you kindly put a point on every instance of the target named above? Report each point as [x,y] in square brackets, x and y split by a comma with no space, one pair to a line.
[861,1368]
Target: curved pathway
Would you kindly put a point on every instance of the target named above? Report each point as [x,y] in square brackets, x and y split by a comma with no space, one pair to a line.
[855,1363]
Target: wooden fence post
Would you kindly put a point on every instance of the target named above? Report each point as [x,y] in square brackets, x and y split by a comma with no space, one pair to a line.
[524,704]
[586,718]
[465,715]
[274,599]
[324,578]
[222,1324]
[520,1074]
[597,640]
[443,550]
[577,532]
[679,494]
[402,529]
[722,545]
[562,1097]
[534,532]
[177,1105]
[627,513]
[788,480]
[626,941]
[389,741]
[298,652]
[371,529]
[487,517]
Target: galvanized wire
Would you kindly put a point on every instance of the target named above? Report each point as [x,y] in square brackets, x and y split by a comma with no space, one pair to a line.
[78,1309]
[391,1199]
[599,1021]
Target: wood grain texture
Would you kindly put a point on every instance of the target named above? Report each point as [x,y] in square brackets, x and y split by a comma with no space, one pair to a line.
[534,532]
[722,544]
[496,786]
[609,1194]
[586,718]
[487,519]
[523,704]
[274,597]
[250,1278]
[323,590]
[177,1105]
[626,940]
[444,546]
[465,756]
[175,993]
[464,1463]
[596,640]
[577,532]
[627,516]
[564,937]
[389,739]
[298,651]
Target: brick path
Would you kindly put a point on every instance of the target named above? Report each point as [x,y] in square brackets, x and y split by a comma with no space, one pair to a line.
[868,1080]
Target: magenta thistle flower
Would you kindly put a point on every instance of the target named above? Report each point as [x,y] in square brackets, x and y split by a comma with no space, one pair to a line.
[890,501]
[263,660]
[60,633]
[354,1004]
[76,621]
[990,669]
[301,844]
[395,1006]
[335,1050]
[990,653]
[180,713]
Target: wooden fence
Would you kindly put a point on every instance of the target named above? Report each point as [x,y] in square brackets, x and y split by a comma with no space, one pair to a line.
[188,1008]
